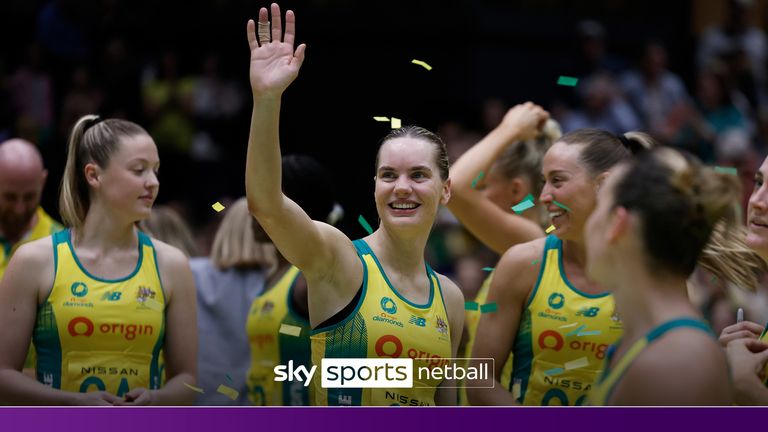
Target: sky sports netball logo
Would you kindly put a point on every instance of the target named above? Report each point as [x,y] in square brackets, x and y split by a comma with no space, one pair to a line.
[390,372]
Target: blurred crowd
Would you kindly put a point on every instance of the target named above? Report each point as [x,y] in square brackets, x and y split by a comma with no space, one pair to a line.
[88,57]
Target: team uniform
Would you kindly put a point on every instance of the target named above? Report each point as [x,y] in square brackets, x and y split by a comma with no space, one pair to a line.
[94,334]
[44,227]
[386,325]
[271,346]
[562,337]
[603,389]
[472,318]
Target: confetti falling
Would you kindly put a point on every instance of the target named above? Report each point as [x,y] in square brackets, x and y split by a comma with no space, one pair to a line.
[561,205]
[488,307]
[524,205]
[740,315]
[589,333]
[477,179]
[573,332]
[727,170]
[395,123]
[488,269]
[381,119]
[290,330]
[567,81]
[550,229]
[218,207]
[578,363]
[554,371]
[228,391]
[470,305]
[517,388]
[569,325]
[153,304]
[229,378]
[193,388]
[534,262]
[365,225]
[422,64]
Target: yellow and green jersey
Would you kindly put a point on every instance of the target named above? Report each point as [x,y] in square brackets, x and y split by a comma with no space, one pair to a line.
[44,227]
[562,337]
[384,324]
[93,334]
[603,388]
[277,335]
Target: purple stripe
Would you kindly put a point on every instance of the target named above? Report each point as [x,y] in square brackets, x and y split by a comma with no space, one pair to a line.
[374,419]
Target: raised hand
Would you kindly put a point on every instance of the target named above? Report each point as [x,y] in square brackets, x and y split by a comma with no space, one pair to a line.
[525,120]
[742,330]
[274,64]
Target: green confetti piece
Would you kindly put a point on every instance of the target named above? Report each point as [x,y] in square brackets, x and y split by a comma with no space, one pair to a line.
[589,333]
[365,225]
[488,269]
[523,205]
[727,170]
[477,179]
[535,261]
[470,305]
[488,307]
[567,81]
[554,371]
[561,205]
[229,378]
[573,332]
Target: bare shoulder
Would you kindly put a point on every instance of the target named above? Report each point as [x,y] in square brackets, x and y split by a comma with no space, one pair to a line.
[688,368]
[519,267]
[168,256]
[37,252]
[524,253]
[452,294]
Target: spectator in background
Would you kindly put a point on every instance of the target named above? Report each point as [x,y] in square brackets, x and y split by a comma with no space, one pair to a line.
[603,108]
[227,283]
[166,225]
[31,91]
[654,91]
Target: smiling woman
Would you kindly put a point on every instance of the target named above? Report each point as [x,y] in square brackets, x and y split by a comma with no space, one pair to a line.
[383,275]
[92,293]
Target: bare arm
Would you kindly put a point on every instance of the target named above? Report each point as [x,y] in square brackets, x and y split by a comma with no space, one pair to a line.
[181,332]
[495,227]
[511,285]
[331,257]
[20,290]
[454,303]
[685,367]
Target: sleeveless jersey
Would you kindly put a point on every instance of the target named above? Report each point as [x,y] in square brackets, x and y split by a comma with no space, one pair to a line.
[384,324]
[270,347]
[764,339]
[601,392]
[562,337]
[44,227]
[472,319]
[96,334]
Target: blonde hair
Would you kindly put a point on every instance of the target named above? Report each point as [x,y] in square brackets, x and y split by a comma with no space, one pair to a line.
[91,141]
[234,244]
[166,225]
[689,215]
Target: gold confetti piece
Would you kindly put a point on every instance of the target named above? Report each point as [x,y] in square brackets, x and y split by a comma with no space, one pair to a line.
[217,206]
[396,123]
[228,391]
[578,363]
[421,63]
[290,330]
[550,229]
[153,304]
[193,388]
[517,388]
[381,119]
[569,325]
